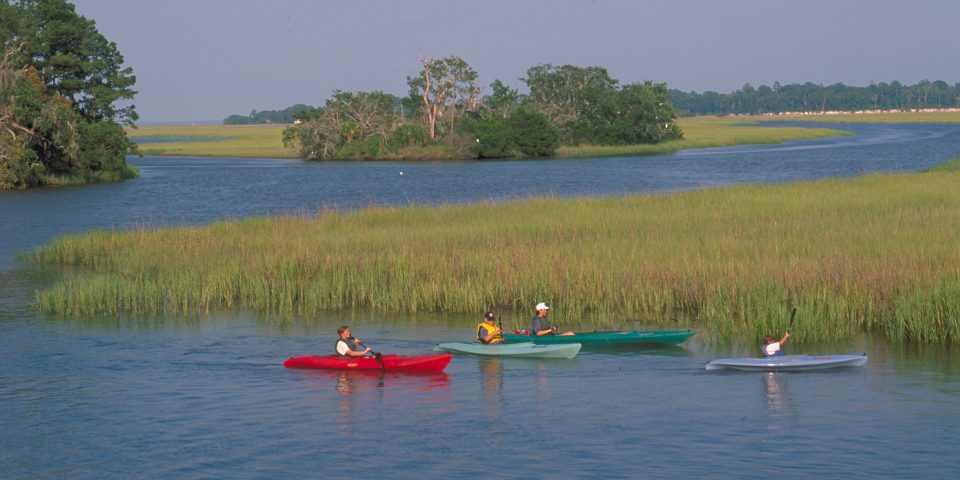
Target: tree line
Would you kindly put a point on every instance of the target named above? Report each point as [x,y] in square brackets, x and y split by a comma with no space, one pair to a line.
[60,84]
[810,97]
[287,115]
[445,115]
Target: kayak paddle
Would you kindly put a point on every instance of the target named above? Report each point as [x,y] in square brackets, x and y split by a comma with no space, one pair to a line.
[376,355]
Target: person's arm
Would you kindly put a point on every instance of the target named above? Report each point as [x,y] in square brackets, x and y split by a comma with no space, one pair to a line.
[354,353]
[538,329]
[783,340]
[488,337]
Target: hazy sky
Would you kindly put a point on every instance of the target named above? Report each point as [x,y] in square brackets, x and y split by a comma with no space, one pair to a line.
[201,60]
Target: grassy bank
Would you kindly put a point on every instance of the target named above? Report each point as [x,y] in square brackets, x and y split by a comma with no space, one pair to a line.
[250,141]
[264,141]
[707,132]
[874,253]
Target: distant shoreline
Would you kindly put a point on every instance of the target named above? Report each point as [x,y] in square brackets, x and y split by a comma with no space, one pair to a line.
[265,141]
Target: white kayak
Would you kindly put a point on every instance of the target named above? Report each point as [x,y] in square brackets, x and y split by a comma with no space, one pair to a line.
[788,363]
[525,350]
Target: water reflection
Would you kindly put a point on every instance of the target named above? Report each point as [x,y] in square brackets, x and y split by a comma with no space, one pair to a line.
[357,392]
[354,382]
[777,394]
[491,378]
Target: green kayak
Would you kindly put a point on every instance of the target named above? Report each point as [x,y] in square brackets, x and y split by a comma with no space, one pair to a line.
[525,350]
[607,339]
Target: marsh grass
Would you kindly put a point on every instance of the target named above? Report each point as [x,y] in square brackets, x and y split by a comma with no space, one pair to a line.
[707,132]
[126,172]
[243,141]
[873,253]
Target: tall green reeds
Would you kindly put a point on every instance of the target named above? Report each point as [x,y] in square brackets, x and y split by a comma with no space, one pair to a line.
[874,253]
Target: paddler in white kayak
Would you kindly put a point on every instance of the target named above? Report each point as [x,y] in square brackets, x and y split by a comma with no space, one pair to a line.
[771,347]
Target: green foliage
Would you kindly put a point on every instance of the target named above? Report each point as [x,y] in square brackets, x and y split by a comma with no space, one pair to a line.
[19,167]
[365,149]
[60,81]
[495,138]
[103,146]
[287,115]
[447,88]
[351,125]
[569,95]
[408,134]
[38,129]
[503,101]
[587,106]
[810,97]
[76,62]
[533,134]
[644,115]
[567,104]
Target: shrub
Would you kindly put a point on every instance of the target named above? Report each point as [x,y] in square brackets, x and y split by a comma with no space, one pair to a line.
[533,133]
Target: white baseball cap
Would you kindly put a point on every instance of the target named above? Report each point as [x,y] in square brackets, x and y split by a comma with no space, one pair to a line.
[542,306]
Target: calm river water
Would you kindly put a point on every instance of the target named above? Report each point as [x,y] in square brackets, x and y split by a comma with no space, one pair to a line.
[209,398]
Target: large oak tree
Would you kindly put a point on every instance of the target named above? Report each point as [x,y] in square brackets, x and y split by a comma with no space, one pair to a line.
[64,98]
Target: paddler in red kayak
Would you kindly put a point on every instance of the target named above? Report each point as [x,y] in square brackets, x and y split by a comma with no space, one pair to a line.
[347,346]
[541,326]
[487,332]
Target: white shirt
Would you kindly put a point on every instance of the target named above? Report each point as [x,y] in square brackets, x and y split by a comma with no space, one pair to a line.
[771,348]
[342,347]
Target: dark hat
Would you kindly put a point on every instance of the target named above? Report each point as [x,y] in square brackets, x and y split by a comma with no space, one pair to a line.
[490,315]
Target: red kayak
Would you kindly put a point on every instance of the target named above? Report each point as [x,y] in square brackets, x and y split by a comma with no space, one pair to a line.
[433,363]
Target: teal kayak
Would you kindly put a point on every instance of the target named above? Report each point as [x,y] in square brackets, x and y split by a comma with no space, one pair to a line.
[607,339]
[526,350]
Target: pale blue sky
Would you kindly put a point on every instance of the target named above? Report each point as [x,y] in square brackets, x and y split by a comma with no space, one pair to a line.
[201,60]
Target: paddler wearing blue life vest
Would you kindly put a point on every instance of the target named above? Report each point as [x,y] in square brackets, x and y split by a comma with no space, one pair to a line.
[347,346]
[487,332]
[771,347]
[541,326]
